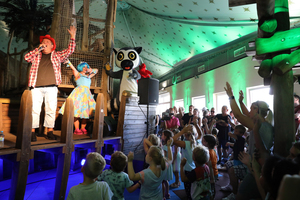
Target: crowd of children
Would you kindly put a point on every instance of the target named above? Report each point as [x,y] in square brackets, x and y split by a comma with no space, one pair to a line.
[189,151]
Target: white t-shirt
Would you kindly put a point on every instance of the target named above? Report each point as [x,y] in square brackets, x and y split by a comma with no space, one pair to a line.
[95,191]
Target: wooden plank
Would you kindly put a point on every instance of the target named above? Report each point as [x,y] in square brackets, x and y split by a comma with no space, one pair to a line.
[121,116]
[233,3]
[136,135]
[132,141]
[64,159]
[85,34]
[98,123]
[20,169]
[10,101]
[9,151]
[47,146]
[139,113]
[134,131]
[112,138]
[134,126]
[138,121]
[91,19]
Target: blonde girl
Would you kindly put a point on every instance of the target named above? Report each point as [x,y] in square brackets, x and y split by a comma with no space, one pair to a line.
[152,177]
[150,141]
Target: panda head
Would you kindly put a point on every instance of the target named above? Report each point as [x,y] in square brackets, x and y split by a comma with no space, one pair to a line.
[128,58]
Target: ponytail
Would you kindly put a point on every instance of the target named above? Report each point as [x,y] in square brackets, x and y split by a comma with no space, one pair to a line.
[156,154]
[163,163]
[269,117]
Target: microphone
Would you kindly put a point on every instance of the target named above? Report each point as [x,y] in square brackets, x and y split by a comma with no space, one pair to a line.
[41,48]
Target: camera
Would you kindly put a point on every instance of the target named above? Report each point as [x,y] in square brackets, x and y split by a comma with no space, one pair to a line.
[166,116]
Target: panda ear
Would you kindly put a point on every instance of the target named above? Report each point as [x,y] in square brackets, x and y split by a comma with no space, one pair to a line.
[116,50]
[138,49]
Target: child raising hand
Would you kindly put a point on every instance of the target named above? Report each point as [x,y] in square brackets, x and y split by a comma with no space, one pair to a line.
[152,177]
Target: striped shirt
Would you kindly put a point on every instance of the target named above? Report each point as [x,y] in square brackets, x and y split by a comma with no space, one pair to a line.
[57,57]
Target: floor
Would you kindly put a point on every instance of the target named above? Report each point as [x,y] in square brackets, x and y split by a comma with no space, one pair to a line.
[40,185]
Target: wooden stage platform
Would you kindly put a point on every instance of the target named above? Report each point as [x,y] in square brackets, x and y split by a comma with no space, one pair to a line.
[9,144]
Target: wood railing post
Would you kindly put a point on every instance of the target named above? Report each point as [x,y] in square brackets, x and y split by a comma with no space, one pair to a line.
[98,123]
[20,168]
[64,159]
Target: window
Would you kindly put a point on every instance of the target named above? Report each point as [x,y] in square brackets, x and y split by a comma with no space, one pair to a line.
[221,99]
[179,103]
[260,93]
[163,103]
[199,102]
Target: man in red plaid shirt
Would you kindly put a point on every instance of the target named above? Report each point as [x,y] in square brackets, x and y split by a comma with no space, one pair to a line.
[44,77]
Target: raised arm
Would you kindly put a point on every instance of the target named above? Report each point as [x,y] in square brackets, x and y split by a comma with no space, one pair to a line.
[147,144]
[64,54]
[184,130]
[132,175]
[243,119]
[242,105]
[74,70]
[92,72]
[199,131]
[170,153]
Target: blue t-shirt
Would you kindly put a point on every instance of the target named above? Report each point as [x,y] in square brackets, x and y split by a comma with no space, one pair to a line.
[188,154]
[117,182]
[151,184]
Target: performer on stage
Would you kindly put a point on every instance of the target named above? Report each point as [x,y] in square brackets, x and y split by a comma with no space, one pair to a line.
[44,77]
[84,103]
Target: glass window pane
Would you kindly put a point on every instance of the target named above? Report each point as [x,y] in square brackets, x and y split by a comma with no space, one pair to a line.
[199,102]
[222,100]
[179,103]
[260,94]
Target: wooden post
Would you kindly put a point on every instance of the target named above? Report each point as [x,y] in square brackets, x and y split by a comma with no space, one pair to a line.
[64,159]
[85,35]
[98,123]
[56,19]
[111,11]
[20,168]
[121,116]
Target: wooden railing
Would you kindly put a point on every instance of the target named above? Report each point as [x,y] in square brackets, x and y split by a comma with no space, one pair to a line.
[20,150]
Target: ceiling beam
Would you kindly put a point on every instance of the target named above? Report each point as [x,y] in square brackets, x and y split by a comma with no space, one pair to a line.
[233,3]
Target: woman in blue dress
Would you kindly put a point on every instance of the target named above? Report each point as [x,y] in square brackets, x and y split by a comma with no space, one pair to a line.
[84,103]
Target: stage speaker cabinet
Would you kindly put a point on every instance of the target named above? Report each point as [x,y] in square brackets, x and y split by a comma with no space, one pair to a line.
[148,91]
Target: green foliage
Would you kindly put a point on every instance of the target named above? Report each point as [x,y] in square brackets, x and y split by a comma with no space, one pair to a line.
[23,16]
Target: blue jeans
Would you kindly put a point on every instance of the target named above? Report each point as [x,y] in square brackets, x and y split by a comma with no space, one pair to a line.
[49,95]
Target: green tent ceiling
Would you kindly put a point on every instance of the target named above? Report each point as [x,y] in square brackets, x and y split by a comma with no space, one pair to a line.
[172,31]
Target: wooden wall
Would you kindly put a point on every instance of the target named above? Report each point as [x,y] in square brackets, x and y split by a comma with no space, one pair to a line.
[9,115]
[133,127]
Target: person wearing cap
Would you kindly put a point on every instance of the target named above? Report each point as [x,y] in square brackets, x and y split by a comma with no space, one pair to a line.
[44,77]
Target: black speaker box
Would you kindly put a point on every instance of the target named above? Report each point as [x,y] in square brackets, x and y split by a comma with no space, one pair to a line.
[148,91]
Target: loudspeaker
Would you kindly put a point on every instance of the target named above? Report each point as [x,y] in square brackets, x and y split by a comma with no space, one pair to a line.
[148,91]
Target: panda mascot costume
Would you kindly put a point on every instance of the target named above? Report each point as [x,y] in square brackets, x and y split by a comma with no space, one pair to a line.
[127,59]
